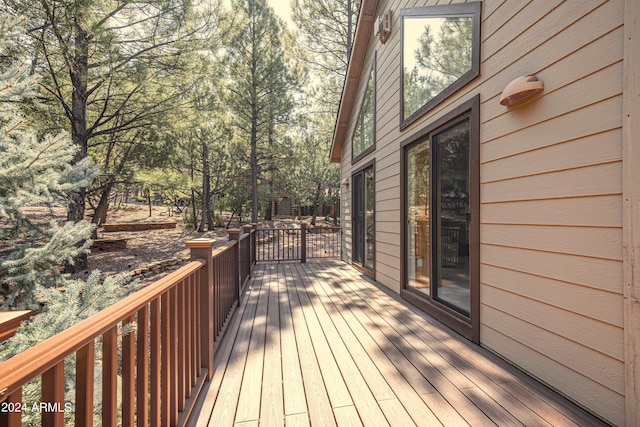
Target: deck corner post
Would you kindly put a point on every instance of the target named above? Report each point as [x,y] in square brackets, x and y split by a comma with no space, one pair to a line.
[202,249]
[234,234]
[246,229]
[303,242]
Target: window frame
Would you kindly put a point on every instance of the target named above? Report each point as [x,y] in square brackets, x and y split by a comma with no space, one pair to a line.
[467,326]
[372,147]
[472,10]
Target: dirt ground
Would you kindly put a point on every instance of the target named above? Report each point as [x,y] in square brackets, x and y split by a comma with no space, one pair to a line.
[143,247]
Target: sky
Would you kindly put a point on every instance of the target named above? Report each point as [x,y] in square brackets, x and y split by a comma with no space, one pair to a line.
[283,10]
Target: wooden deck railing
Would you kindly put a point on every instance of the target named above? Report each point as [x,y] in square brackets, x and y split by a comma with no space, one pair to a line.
[160,341]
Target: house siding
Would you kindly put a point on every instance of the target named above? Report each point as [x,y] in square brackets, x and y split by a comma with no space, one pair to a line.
[551,270]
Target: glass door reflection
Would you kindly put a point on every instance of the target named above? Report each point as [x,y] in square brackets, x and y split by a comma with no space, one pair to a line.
[452,217]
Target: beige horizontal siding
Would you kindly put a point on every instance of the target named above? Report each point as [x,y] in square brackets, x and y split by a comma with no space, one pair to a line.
[569,296]
[594,211]
[591,272]
[589,242]
[518,339]
[551,184]
[580,152]
[601,116]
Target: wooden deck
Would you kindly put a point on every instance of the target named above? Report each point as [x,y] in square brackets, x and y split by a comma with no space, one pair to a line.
[318,344]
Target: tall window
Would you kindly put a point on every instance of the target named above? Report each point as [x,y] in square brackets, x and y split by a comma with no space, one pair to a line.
[363,221]
[363,140]
[441,204]
[440,54]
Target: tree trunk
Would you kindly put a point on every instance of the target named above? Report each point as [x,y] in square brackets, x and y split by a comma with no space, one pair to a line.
[100,214]
[210,211]
[206,191]
[315,204]
[193,209]
[254,169]
[78,73]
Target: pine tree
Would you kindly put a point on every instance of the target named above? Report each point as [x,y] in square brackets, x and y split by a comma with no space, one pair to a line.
[260,98]
[34,169]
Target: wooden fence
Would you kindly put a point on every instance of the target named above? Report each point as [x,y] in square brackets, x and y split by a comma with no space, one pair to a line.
[160,342]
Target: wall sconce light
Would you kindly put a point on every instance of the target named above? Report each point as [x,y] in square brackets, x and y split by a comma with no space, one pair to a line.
[345,182]
[520,89]
[384,26]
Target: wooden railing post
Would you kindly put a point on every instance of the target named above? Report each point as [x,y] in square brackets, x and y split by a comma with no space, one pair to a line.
[201,249]
[246,229]
[234,234]
[254,247]
[303,242]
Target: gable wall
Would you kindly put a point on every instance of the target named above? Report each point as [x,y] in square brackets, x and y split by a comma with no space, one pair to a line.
[551,184]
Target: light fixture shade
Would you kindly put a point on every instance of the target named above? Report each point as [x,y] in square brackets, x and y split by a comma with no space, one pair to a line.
[345,182]
[520,89]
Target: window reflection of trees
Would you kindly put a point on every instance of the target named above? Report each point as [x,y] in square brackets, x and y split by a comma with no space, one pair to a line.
[364,133]
[454,161]
[443,55]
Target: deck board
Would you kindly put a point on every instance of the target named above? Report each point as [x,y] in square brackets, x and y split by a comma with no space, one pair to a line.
[317,344]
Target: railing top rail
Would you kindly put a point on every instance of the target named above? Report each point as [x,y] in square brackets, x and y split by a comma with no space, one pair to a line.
[279,229]
[33,362]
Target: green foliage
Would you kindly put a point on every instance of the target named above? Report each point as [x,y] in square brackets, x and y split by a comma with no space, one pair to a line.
[62,309]
[80,300]
[327,29]
[259,91]
[33,170]
[442,56]
[313,179]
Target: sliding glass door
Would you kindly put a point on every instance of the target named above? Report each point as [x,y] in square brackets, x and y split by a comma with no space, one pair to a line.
[363,218]
[441,208]
[451,217]
[438,217]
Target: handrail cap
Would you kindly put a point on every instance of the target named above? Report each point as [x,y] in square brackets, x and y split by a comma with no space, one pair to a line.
[200,243]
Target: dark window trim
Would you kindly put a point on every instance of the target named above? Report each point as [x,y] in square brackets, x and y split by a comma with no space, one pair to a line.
[370,272]
[372,75]
[465,9]
[468,327]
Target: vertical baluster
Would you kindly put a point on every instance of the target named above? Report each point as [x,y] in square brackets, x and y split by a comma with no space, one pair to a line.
[84,385]
[142,377]
[196,340]
[155,362]
[85,357]
[173,355]
[188,333]
[183,342]
[165,363]
[218,293]
[199,325]
[128,371]
[53,395]
[110,377]
[13,418]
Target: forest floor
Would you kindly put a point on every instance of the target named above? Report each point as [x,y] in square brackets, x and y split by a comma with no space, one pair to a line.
[144,249]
